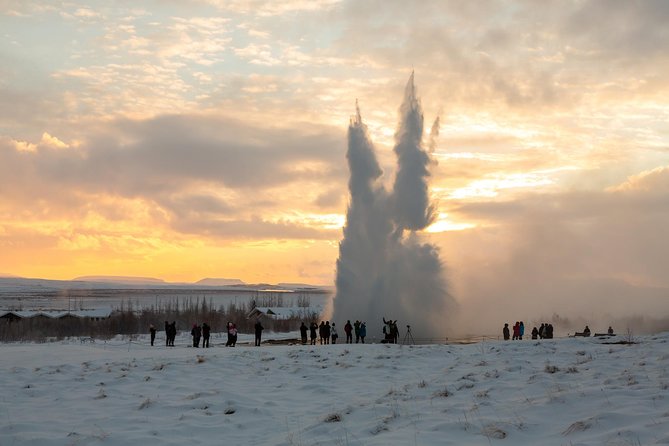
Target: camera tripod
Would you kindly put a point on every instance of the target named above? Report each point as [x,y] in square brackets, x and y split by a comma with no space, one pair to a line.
[408,337]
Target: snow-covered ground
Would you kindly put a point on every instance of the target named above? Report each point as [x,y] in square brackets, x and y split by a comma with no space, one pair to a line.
[570,391]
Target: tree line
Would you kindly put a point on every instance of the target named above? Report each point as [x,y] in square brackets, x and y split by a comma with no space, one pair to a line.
[129,319]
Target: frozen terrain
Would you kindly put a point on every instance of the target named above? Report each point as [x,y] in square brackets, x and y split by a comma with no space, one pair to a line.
[569,391]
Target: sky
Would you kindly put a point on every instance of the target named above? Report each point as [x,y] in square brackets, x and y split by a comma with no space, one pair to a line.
[191,139]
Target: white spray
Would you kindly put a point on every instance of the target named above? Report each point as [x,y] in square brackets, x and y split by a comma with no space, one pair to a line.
[384,269]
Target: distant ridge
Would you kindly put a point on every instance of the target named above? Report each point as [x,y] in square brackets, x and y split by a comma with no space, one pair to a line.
[122,279]
[219,282]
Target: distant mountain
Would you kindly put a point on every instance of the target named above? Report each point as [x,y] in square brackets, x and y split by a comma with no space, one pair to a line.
[129,280]
[293,285]
[219,282]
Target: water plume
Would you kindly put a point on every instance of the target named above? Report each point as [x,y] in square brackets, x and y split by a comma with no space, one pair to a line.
[384,269]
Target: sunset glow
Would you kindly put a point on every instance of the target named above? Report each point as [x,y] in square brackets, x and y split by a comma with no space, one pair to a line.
[183,140]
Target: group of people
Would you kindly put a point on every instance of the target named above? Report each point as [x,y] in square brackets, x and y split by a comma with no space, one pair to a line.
[545,331]
[327,333]
[324,332]
[201,332]
[170,333]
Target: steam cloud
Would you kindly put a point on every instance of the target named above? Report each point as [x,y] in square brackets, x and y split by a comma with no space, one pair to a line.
[384,269]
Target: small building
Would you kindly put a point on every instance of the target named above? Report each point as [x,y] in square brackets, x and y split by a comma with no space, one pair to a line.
[280,313]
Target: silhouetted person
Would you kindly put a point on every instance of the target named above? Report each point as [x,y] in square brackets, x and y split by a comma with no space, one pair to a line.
[172,333]
[321,332]
[586,331]
[303,333]
[505,332]
[610,331]
[206,332]
[348,330]
[152,330]
[326,332]
[535,333]
[313,329]
[258,329]
[521,330]
[196,332]
[356,330]
[334,334]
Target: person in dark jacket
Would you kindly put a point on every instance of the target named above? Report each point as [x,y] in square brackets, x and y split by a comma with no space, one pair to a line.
[363,332]
[172,333]
[535,333]
[326,332]
[321,332]
[521,330]
[505,332]
[258,328]
[196,332]
[206,332]
[356,330]
[348,329]
[303,333]
[313,329]
[152,331]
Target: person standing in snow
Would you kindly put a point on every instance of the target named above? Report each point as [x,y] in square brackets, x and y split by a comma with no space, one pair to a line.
[196,332]
[356,329]
[535,333]
[326,331]
[303,333]
[334,333]
[206,332]
[516,331]
[167,334]
[363,332]
[172,333]
[232,334]
[313,328]
[505,332]
[348,330]
[258,329]
[321,332]
[521,330]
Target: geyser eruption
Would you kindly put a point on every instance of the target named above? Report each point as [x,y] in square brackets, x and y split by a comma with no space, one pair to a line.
[384,269]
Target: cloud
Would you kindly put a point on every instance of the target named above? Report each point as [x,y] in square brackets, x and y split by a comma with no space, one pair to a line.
[190,167]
